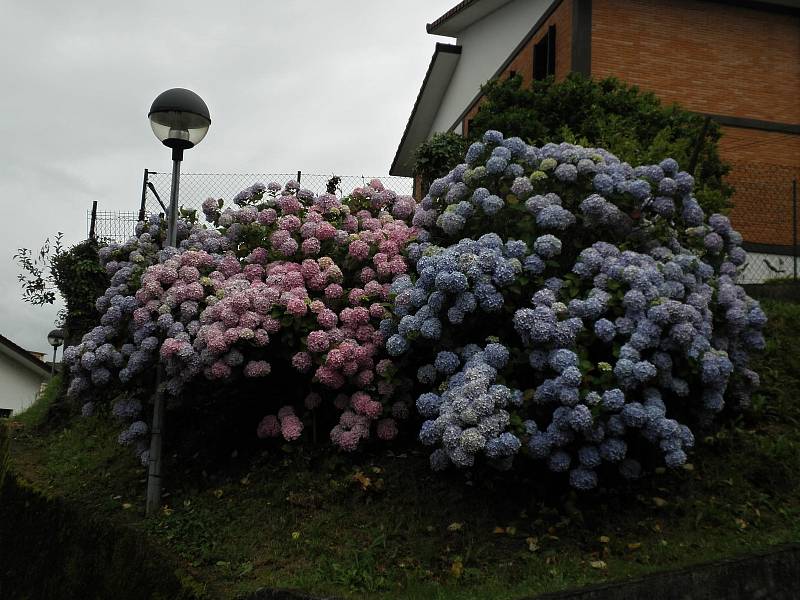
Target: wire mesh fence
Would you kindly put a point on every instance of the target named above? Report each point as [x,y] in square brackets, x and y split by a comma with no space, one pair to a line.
[197,187]
[111,226]
[765,212]
[765,208]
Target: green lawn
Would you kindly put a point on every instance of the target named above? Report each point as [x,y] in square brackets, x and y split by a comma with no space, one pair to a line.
[384,526]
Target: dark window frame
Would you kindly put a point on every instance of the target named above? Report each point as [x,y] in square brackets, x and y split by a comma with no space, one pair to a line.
[544,55]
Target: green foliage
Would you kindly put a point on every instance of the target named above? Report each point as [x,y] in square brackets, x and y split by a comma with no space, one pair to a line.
[385,526]
[75,275]
[53,550]
[81,280]
[438,155]
[608,113]
[4,444]
[35,415]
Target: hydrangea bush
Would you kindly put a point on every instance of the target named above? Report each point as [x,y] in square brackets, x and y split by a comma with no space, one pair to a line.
[570,308]
[283,280]
[548,304]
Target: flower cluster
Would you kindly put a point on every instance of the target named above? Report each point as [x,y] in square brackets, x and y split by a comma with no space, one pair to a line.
[313,272]
[608,300]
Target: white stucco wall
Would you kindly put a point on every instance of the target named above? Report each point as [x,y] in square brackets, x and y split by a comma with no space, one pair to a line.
[18,384]
[484,47]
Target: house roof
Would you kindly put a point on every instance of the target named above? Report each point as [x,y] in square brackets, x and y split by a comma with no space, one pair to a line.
[465,13]
[23,357]
[440,70]
[462,15]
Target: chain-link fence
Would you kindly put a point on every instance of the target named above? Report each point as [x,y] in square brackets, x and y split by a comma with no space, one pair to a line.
[765,212]
[110,226]
[197,187]
[765,208]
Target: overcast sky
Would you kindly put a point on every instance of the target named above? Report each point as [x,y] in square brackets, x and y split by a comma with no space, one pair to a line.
[317,86]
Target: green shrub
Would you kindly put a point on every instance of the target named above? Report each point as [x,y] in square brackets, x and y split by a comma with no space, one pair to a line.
[607,113]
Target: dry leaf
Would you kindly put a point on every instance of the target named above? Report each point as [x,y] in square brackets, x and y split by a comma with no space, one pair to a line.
[511,530]
[126,505]
[457,568]
[218,493]
[634,546]
[295,535]
[598,564]
[533,543]
[455,526]
[604,539]
[659,502]
[498,530]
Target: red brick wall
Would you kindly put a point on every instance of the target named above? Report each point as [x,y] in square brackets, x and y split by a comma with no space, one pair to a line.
[719,59]
[522,63]
[763,166]
[710,57]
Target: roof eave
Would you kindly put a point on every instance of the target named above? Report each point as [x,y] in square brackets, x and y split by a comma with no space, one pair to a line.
[438,72]
[461,16]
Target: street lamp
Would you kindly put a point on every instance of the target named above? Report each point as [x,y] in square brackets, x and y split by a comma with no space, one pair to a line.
[55,338]
[180,120]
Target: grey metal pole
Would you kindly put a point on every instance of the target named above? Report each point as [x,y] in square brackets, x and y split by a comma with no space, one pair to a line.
[53,366]
[794,227]
[153,502]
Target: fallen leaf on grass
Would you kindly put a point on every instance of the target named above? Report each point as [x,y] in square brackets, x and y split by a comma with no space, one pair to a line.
[533,543]
[634,545]
[457,568]
[455,526]
[659,502]
[295,535]
[598,564]
[126,505]
[219,493]
[604,539]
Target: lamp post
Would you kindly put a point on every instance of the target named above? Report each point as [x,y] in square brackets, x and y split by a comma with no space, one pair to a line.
[55,338]
[180,120]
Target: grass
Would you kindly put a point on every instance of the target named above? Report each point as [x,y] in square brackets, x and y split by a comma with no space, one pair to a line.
[384,526]
[34,416]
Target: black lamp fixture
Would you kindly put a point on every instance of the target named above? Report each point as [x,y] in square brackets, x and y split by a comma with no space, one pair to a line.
[55,338]
[180,120]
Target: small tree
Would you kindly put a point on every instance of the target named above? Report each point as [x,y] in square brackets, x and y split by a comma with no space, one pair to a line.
[437,156]
[608,113]
[75,275]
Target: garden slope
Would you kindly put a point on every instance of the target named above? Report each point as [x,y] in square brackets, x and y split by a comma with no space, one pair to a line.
[383,526]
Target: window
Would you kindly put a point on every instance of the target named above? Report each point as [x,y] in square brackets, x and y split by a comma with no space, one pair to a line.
[544,55]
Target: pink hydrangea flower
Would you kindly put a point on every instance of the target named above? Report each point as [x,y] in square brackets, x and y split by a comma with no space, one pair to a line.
[386,429]
[268,427]
[359,249]
[297,307]
[301,361]
[317,341]
[257,368]
[334,290]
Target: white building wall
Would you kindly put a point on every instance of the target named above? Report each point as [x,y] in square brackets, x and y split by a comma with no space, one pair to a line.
[485,45]
[19,385]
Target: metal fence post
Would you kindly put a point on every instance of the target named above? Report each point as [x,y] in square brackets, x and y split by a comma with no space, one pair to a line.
[794,228]
[144,195]
[93,222]
[299,174]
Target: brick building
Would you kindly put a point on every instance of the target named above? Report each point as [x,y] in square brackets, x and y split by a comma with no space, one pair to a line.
[738,62]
